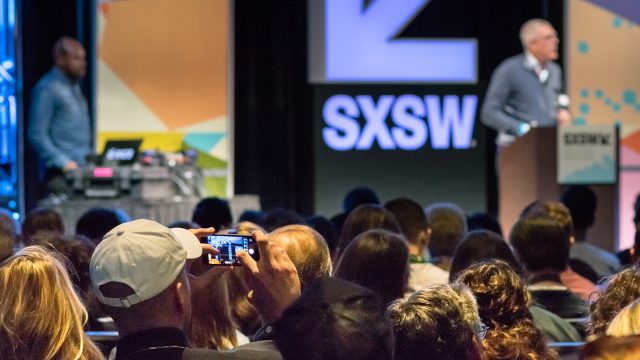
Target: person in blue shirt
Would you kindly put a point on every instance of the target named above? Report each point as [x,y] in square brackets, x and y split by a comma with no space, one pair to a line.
[59,126]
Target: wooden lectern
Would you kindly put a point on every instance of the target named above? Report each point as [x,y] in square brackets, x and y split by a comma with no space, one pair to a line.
[526,173]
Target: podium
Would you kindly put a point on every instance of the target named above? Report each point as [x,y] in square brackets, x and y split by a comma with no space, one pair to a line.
[528,172]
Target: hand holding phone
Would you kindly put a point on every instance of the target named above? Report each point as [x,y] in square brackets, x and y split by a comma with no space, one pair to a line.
[228,246]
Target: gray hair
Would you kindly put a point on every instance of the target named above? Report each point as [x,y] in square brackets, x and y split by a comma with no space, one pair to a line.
[529,30]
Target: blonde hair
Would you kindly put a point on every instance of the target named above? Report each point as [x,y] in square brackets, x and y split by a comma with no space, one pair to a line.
[627,322]
[211,323]
[41,316]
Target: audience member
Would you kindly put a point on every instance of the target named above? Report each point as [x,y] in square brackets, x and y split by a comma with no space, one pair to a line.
[573,280]
[413,223]
[41,317]
[183,224]
[7,235]
[627,322]
[307,249]
[483,245]
[377,260]
[448,225]
[439,322]
[543,249]
[354,198]
[280,217]
[484,221]
[362,218]
[631,255]
[503,305]
[612,348]
[326,228]
[96,222]
[41,220]
[582,203]
[253,216]
[334,320]
[212,212]
[139,275]
[617,292]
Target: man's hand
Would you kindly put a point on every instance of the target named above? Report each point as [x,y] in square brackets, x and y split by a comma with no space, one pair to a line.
[273,280]
[70,165]
[204,232]
[563,117]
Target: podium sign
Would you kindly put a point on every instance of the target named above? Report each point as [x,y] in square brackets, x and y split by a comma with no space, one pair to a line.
[587,155]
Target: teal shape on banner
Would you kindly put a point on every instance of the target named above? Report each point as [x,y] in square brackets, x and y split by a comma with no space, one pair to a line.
[203,141]
[602,172]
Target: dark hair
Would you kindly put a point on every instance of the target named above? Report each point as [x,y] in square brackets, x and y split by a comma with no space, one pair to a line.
[280,217]
[359,196]
[254,216]
[98,221]
[78,250]
[7,235]
[553,210]
[478,246]
[503,304]
[541,244]
[582,203]
[183,224]
[636,211]
[326,228]
[410,217]
[38,220]
[377,260]
[212,212]
[366,217]
[483,221]
[334,320]
[448,225]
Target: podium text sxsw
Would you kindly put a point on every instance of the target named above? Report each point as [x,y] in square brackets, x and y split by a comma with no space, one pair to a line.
[361,47]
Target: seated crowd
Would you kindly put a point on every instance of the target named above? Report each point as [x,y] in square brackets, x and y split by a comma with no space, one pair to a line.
[379,281]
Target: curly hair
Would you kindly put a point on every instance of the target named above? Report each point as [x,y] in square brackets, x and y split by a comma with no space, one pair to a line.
[503,304]
[619,290]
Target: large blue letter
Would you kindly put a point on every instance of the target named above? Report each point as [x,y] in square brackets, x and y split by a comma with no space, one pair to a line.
[338,122]
[448,122]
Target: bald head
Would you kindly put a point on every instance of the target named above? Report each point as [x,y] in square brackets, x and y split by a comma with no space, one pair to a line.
[306,248]
[70,57]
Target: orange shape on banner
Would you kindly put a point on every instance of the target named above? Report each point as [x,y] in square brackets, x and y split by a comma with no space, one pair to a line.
[633,141]
[172,54]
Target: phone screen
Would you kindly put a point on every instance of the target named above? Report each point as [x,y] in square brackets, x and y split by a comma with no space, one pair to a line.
[228,245]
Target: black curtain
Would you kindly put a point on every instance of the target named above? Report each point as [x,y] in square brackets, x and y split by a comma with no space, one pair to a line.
[273,114]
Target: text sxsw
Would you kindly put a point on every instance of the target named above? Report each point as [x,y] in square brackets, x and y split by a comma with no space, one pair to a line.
[413,120]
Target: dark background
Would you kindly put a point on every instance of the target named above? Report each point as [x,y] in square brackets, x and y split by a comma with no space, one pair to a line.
[274,107]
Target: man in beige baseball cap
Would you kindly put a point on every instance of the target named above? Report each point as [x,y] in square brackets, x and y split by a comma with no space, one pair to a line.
[139,274]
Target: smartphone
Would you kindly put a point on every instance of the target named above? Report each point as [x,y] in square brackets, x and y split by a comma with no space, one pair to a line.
[228,245]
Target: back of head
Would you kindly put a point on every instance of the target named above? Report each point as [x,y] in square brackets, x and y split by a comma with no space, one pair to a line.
[618,291]
[448,225]
[541,244]
[135,270]
[78,251]
[96,222]
[366,217]
[307,249]
[357,197]
[636,212]
[437,322]
[41,317]
[212,212]
[503,303]
[334,320]
[612,348]
[582,203]
[627,322]
[280,217]
[326,228]
[7,234]
[481,245]
[411,218]
[377,260]
[41,220]
[483,221]
[554,210]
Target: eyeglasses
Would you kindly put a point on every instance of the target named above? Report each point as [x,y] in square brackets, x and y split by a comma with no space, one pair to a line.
[482,331]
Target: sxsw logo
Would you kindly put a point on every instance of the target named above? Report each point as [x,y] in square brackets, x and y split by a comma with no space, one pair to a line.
[413,118]
[361,45]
